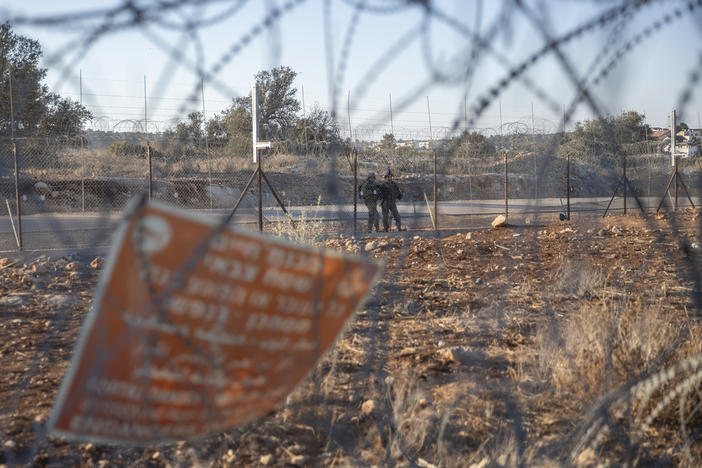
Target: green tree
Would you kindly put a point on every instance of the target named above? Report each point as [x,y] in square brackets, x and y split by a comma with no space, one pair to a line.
[278,108]
[681,126]
[191,132]
[601,141]
[317,127]
[36,111]
[472,145]
[388,142]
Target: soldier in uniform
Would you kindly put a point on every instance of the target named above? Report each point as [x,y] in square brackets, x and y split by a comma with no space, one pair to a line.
[390,192]
[370,193]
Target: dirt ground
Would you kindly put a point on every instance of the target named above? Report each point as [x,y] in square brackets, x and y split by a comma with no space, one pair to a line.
[521,345]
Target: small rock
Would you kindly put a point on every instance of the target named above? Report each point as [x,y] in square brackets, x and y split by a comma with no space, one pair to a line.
[469,235]
[370,246]
[265,459]
[39,268]
[29,280]
[478,281]
[602,232]
[155,455]
[446,355]
[298,460]
[13,299]
[4,262]
[42,188]
[74,276]
[368,407]
[383,244]
[10,443]
[527,221]
[60,299]
[73,266]
[616,229]
[500,221]
[416,238]
[97,263]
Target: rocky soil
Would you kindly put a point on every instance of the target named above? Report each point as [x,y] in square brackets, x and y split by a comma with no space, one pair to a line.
[495,347]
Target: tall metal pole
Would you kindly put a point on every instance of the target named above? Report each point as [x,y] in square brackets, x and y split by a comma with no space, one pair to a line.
[207,143]
[304,128]
[148,162]
[436,205]
[392,126]
[673,157]
[348,113]
[18,207]
[500,103]
[568,183]
[506,187]
[431,133]
[12,111]
[675,176]
[355,191]
[146,122]
[673,124]
[82,178]
[533,146]
[625,182]
[260,196]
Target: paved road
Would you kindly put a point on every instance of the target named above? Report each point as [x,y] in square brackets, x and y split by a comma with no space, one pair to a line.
[77,230]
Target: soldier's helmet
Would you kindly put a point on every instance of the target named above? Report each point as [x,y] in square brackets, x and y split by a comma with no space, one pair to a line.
[388,174]
[371,175]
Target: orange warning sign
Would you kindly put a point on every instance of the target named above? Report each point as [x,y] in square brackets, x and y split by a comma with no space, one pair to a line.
[195,330]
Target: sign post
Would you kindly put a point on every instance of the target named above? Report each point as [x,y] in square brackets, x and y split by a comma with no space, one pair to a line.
[258,172]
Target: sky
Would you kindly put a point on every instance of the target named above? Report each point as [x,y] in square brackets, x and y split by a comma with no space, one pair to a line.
[355,57]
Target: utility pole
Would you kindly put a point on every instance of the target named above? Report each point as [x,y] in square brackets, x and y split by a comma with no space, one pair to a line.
[431,133]
[348,113]
[82,178]
[146,122]
[500,103]
[392,127]
[207,143]
[533,148]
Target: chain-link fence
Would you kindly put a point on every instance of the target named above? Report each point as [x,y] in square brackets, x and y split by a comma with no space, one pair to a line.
[544,343]
[446,184]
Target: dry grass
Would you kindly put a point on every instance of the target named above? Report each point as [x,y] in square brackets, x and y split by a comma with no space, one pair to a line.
[308,229]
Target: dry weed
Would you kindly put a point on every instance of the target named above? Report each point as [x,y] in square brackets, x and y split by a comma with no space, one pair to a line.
[604,344]
[307,229]
[580,278]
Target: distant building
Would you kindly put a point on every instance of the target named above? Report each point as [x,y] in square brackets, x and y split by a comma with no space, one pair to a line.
[687,143]
[659,133]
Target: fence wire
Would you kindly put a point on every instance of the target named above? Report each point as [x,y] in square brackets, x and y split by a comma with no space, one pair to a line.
[547,343]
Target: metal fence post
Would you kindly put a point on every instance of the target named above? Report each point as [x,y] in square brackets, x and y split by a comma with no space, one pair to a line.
[506,186]
[675,176]
[568,183]
[18,206]
[148,160]
[355,191]
[260,194]
[625,182]
[436,211]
